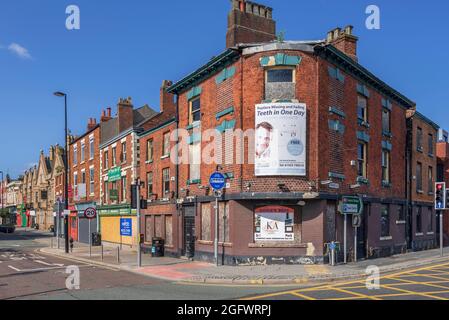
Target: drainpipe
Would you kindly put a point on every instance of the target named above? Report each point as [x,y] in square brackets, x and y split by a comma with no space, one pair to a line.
[241,120]
[177,173]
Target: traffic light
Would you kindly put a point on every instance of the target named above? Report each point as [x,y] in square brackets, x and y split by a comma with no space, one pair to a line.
[440,196]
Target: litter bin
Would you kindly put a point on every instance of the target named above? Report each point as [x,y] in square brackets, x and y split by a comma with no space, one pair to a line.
[96,239]
[157,247]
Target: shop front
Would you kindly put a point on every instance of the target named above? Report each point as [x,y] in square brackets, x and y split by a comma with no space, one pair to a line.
[85,226]
[118,225]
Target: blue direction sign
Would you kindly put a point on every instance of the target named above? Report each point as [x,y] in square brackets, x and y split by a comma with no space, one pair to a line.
[126,227]
[217,181]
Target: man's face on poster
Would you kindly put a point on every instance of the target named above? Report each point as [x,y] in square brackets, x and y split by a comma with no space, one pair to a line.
[263,139]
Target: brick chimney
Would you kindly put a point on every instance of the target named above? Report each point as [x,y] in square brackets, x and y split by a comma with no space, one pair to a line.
[91,124]
[344,41]
[249,22]
[125,114]
[167,100]
[106,115]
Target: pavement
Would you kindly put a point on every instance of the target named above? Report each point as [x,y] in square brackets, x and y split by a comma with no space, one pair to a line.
[194,272]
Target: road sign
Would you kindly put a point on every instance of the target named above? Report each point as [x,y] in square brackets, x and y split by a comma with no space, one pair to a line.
[90,213]
[217,181]
[351,205]
[126,226]
[356,221]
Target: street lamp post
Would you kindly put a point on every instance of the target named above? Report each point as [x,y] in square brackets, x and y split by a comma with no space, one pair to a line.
[66,174]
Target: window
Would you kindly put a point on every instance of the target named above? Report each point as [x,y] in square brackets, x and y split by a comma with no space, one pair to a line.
[149,184]
[91,148]
[385,166]
[165,181]
[106,159]
[280,84]
[385,221]
[361,158]
[419,139]
[123,157]
[195,162]
[75,155]
[430,142]
[386,121]
[75,180]
[114,156]
[166,147]
[401,213]
[223,225]
[205,222]
[279,75]
[419,220]
[83,177]
[106,192]
[123,195]
[430,179]
[83,148]
[419,177]
[195,111]
[113,192]
[150,150]
[430,226]
[169,231]
[91,181]
[362,111]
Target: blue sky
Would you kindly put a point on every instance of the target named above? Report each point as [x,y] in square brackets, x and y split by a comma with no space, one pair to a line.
[126,48]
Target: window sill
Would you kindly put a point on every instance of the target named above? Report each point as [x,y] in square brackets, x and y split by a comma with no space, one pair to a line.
[400,222]
[276,245]
[149,162]
[431,155]
[420,149]
[430,233]
[430,193]
[419,234]
[386,238]
[363,123]
[362,180]
[206,242]
[419,191]
[165,157]
[386,184]
[387,134]
[192,182]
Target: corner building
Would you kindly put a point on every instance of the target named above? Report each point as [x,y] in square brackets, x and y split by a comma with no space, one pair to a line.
[352,140]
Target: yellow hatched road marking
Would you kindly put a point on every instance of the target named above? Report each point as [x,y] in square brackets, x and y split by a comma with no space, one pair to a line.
[414,293]
[407,294]
[360,295]
[302,296]
[410,282]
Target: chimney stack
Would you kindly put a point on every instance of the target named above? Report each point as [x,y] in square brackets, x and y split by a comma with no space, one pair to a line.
[106,115]
[344,41]
[125,113]
[249,22]
[167,100]
[92,123]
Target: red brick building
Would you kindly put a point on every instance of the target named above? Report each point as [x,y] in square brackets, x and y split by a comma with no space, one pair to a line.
[119,168]
[84,179]
[443,173]
[349,144]
[158,174]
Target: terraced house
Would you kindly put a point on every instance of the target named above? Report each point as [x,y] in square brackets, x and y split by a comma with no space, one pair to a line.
[334,137]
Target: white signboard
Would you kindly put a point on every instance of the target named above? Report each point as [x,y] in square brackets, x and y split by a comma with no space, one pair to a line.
[280,139]
[32,213]
[274,223]
[81,190]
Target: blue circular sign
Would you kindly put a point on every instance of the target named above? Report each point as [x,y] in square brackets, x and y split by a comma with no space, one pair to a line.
[217,181]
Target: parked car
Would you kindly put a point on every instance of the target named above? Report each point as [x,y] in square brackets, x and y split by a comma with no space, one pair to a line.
[7,228]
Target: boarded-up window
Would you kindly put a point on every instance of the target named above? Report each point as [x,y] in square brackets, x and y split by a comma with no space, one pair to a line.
[148,229]
[223,222]
[168,230]
[158,227]
[205,222]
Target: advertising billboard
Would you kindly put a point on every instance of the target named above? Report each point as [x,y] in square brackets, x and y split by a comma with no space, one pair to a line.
[280,139]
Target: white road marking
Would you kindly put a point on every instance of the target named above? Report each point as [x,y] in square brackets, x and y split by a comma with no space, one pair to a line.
[44,263]
[15,269]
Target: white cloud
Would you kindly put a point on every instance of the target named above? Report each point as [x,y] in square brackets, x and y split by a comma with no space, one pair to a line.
[19,51]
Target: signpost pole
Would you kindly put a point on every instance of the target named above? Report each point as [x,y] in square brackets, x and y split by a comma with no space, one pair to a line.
[216,232]
[344,238]
[139,249]
[441,233]
[90,240]
[355,244]
[58,223]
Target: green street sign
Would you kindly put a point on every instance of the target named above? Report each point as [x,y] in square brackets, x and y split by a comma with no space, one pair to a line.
[351,205]
[115,174]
